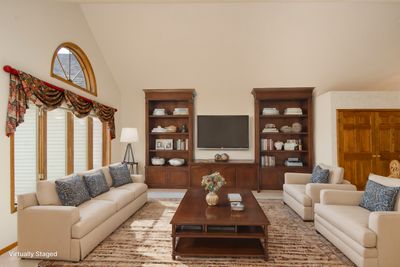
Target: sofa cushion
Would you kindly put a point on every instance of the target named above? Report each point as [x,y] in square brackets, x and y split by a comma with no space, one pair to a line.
[378,197]
[96,183]
[336,174]
[394,182]
[72,190]
[298,192]
[47,194]
[136,188]
[120,174]
[320,175]
[107,174]
[92,213]
[351,220]
[120,197]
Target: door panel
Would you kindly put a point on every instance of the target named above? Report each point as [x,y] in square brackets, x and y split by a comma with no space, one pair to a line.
[355,140]
[387,128]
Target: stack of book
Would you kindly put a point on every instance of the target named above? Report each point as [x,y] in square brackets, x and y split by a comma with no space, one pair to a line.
[293,162]
[267,144]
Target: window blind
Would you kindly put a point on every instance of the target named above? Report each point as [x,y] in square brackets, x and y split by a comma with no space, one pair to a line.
[56,143]
[25,151]
[80,144]
[97,143]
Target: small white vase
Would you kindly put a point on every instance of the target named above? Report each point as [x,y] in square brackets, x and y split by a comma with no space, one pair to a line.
[212,198]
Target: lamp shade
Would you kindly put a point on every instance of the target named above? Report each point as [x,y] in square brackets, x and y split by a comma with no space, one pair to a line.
[129,135]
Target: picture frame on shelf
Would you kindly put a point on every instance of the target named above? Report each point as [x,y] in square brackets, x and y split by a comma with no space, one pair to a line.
[168,144]
[164,144]
[159,144]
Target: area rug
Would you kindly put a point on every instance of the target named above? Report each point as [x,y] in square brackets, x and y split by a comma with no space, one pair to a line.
[145,240]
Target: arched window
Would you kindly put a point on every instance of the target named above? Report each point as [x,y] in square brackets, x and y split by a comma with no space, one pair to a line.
[72,66]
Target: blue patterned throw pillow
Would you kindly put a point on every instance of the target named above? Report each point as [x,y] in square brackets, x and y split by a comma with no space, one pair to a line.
[378,197]
[120,174]
[320,175]
[96,183]
[72,191]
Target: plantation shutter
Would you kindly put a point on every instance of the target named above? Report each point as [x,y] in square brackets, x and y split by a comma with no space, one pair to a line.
[25,151]
[56,143]
[97,143]
[80,144]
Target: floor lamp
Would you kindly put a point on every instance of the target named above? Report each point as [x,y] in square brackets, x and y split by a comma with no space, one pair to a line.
[129,136]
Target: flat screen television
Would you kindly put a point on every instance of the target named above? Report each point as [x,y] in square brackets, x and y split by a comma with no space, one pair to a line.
[223,132]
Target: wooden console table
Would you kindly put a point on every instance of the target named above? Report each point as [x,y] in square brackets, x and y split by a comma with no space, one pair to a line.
[202,230]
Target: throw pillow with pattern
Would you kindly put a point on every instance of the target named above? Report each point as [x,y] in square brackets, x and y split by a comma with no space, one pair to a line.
[120,174]
[72,191]
[320,175]
[96,183]
[378,197]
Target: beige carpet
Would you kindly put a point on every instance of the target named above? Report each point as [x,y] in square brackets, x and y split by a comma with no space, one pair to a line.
[145,240]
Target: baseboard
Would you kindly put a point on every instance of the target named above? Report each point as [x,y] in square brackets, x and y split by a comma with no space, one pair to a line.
[9,247]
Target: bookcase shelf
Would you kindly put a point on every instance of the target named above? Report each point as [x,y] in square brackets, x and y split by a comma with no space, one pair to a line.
[272,177]
[167,176]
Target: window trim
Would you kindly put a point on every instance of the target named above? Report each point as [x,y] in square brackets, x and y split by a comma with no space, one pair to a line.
[42,150]
[13,206]
[83,60]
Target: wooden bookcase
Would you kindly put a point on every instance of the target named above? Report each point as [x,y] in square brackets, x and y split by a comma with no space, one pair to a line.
[168,176]
[272,177]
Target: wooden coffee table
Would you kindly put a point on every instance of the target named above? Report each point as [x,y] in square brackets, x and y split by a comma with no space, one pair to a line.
[202,230]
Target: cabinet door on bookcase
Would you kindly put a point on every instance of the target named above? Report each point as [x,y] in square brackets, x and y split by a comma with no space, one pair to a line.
[196,174]
[246,177]
[177,177]
[228,172]
[155,176]
[272,179]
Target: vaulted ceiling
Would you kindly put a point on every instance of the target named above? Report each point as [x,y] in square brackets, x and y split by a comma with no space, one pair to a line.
[333,45]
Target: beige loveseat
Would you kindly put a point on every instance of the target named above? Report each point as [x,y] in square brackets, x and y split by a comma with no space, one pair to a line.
[44,225]
[367,238]
[301,195]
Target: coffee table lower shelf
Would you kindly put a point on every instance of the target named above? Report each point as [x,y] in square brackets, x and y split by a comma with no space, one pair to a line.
[232,247]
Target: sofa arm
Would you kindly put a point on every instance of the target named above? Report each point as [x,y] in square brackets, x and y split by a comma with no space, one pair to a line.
[386,226]
[26,200]
[314,190]
[297,178]
[341,197]
[47,229]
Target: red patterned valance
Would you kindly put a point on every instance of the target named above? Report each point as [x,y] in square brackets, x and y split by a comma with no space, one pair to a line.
[25,88]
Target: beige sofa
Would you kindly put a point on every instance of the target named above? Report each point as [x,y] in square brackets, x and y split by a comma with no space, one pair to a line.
[44,225]
[367,238]
[301,195]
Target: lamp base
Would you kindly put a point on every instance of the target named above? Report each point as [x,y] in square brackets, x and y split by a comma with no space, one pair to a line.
[129,159]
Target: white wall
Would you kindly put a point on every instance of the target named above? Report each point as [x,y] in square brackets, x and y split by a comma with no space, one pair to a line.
[325,116]
[30,32]
[223,50]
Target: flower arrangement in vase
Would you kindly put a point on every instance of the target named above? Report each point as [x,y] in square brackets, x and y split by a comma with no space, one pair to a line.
[212,183]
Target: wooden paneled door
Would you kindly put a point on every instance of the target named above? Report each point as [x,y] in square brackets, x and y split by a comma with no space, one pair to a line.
[367,141]
[387,129]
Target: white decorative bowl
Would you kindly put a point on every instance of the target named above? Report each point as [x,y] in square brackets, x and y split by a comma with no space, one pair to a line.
[176,162]
[157,161]
[286,129]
